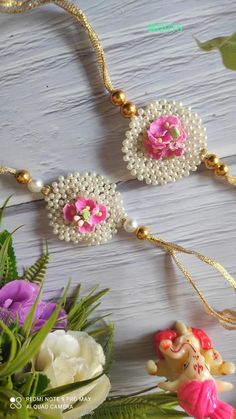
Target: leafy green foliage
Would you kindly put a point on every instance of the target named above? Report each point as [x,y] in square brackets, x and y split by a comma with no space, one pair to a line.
[31,383]
[36,272]
[80,312]
[3,209]
[226,46]
[19,413]
[151,406]
[8,267]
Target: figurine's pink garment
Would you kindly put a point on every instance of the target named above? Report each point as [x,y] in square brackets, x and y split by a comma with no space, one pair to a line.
[199,399]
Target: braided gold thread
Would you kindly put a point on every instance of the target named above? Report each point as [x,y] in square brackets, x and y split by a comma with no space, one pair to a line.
[231,179]
[22,6]
[227,317]
[7,170]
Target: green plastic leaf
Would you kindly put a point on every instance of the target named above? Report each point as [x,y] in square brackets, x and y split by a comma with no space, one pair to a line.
[108,347]
[3,209]
[21,412]
[227,47]
[67,388]
[36,272]
[8,268]
[26,329]
[31,383]
[151,406]
[79,313]
[72,300]
[13,342]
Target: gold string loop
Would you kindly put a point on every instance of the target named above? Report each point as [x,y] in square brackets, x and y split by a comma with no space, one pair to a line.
[7,170]
[227,317]
[22,6]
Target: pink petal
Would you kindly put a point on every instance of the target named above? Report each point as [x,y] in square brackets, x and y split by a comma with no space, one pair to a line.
[157,155]
[91,204]
[157,127]
[80,204]
[173,120]
[153,143]
[178,152]
[96,218]
[69,211]
[86,228]
[167,138]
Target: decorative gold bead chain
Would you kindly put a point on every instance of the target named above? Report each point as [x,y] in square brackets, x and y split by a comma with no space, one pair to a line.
[213,162]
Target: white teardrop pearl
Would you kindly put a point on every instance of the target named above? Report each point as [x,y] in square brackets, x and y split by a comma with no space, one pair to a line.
[130,225]
[35,185]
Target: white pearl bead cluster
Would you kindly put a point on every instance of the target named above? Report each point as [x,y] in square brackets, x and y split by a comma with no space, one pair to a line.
[155,172]
[89,185]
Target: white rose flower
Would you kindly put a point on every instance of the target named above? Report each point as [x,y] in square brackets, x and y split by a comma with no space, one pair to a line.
[68,357]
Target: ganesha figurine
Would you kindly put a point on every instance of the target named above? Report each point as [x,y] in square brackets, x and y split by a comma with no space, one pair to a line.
[188,361]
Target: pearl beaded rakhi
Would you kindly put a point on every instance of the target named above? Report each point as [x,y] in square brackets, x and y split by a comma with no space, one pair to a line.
[86,208]
[166,141]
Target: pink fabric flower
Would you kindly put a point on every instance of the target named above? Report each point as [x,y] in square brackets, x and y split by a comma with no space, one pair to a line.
[165,138]
[199,399]
[86,213]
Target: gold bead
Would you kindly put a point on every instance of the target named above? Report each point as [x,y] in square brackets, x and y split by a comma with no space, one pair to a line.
[23,176]
[128,109]
[222,170]
[142,232]
[212,161]
[46,190]
[118,97]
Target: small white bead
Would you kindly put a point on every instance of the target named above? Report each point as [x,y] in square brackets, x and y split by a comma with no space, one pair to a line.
[35,185]
[130,225]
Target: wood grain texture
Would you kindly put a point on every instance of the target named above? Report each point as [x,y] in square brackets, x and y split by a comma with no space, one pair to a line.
[55,117]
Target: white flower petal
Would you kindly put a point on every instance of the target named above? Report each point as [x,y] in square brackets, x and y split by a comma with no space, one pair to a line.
[70,357]
[90,350]
[44,359]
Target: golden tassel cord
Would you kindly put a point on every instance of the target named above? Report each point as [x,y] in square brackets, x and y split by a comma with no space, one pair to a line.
[227,317]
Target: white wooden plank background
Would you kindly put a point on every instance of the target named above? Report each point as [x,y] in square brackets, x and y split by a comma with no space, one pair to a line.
[55,117]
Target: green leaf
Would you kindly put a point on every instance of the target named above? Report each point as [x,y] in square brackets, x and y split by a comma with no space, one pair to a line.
[13,342]
[19,412]
[151,406]
[72,300]
[67,388]
[31,383]
[3,209]
[108,347]
[36,272]
[32,344]
[26,329]
[78,314]
[8,268]
[227,47]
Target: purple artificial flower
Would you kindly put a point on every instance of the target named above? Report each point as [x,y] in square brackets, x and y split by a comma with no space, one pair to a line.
[17,298]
